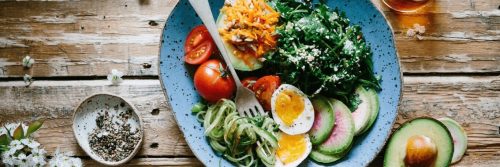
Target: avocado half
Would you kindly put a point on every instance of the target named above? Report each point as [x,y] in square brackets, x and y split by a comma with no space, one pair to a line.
[250,65]
[429,127]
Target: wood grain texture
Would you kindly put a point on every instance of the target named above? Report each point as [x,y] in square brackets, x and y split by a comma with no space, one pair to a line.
[79,38]
[88,38]
[56,100]
[462,36]
[190,161]
[472,101]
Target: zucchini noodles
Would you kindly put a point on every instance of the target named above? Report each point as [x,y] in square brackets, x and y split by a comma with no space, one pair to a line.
[242,140]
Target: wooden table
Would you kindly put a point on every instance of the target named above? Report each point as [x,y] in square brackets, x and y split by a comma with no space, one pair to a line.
[454,71]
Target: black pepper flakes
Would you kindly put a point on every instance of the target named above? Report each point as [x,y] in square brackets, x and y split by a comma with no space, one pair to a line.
[113,139]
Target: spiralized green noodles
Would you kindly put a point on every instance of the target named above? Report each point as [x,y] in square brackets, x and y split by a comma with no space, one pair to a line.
[243,140]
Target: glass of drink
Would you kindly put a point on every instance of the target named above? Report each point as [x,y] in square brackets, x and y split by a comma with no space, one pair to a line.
[406,5]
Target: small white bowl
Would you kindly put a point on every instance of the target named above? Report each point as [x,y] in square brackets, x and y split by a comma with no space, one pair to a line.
[84,121]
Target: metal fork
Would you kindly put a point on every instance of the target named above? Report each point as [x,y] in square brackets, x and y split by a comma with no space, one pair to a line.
[246,103]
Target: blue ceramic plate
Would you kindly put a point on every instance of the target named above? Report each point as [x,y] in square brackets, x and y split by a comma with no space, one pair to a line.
[177,82]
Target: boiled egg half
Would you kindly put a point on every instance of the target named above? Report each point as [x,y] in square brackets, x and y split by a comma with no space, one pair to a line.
[292,149]
[292,110]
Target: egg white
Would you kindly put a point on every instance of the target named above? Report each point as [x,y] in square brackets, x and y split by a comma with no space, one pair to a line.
[304,121]
[300,159]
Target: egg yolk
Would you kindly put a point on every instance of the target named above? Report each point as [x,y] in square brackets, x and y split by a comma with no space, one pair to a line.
[289,105]
[291,147]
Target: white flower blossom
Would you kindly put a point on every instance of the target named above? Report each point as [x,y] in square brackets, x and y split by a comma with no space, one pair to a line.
[28,62]
[64,160]
[410,33]
[24,152]
[27,79]
[115,77]
[420,29]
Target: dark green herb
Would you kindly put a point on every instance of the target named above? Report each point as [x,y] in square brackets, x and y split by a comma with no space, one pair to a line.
[319,51]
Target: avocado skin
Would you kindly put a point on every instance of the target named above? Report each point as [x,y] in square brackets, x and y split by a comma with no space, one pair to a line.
[430,127]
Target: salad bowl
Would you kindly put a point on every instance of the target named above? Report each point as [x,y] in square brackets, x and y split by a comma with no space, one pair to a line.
[177,83]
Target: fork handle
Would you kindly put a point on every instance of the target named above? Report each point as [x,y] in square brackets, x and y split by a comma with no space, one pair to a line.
[202,8]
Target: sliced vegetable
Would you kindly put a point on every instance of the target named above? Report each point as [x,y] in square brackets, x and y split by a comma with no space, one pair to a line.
[324,120]
[200,53]
[343,132]
[196,37]
[249,82]
[239,139]
[375,107]
[325,158]
[264,89]
[363,111]
[212,81]
[459,138]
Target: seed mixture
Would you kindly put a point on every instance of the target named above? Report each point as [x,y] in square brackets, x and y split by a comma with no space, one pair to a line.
[113,139]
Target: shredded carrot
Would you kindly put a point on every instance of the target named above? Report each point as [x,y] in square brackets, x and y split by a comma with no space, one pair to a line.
[249,27]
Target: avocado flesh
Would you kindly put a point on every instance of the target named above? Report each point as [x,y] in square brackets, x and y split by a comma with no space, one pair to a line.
[429,127]
[252,64]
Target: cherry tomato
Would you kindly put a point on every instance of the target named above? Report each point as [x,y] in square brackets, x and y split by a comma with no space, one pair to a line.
[212,81]
[264,89]
[200,54]
[248,82]
[196,37]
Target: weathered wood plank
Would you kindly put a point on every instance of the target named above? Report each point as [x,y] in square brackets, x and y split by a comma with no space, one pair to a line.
[472,101]
[76,38]
[191,161]
[56,100]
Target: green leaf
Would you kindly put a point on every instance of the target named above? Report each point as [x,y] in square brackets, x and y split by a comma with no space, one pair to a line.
[4,139]
[18,133]
[33,127]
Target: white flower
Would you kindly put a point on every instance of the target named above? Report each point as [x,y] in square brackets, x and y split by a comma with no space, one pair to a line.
[410,33]
[420,29]
[27,79]
[28,62]
[115,77]
[63,160]
[24,153]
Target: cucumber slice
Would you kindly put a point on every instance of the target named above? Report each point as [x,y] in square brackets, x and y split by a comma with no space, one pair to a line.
[324,119]
[343,131]
[459,138]
[252,64]
[363,112]
[375,107]
[324,158]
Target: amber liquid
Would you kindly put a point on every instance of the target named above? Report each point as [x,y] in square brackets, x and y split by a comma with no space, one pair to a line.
[406,5]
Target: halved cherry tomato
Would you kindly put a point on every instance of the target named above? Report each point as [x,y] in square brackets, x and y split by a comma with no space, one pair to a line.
[248,82]
[200,54]
[212,81]
[264,89]
[196,37]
